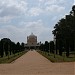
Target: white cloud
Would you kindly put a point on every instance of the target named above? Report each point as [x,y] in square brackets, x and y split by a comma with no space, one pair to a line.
[35,11]
[38,28]
[17,11]
[6,19]
[50,2]
[41,0]
[54,18]
[49,7]
[55,9]
[20,33]
[35,26]
[74,2]
[12,32]
[11,8]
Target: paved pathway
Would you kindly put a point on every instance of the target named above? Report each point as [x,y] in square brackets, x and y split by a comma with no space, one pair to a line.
[32,63]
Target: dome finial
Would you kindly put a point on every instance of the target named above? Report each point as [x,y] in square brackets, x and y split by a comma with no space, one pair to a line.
[31,33]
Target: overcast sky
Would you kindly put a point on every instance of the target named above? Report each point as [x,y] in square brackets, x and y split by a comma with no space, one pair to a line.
[19,18]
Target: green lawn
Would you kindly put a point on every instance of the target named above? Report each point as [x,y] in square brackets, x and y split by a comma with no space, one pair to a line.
[11,58]
[58,58]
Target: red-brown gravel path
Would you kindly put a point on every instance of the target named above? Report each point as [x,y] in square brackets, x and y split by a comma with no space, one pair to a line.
[32,63]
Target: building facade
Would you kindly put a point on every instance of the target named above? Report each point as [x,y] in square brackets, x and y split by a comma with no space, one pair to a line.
[32,42]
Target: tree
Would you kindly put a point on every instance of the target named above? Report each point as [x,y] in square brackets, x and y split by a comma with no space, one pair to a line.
[52,46]
[41,47]
[18,47]
[6,44]
[46,46]
[1,49]
[64,31]
[22,46]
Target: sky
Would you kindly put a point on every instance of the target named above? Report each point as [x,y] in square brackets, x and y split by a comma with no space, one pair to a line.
[20,18]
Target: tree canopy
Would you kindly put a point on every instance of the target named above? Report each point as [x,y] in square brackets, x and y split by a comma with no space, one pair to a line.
[64,31]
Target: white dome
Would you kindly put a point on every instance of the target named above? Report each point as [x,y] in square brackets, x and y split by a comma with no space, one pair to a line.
[32,35]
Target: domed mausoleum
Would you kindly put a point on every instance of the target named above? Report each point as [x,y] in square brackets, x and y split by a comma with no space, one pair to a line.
[32,42]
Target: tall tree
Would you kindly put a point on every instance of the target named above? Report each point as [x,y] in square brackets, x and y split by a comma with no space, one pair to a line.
[46,46]
[64,31]
[1,49]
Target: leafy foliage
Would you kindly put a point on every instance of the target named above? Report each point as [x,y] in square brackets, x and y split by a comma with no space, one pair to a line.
[64,31]
[7,47]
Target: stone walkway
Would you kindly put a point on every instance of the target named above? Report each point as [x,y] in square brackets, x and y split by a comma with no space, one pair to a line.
[32,63]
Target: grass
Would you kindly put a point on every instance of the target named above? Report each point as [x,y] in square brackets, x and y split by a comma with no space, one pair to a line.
[11,58]
[58,58]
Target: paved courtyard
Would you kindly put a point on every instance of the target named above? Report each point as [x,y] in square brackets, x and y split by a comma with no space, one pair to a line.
[32,63]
